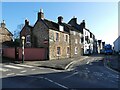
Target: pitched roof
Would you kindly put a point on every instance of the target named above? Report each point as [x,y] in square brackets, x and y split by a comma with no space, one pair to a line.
[55,26]
[51,24]
[9,33]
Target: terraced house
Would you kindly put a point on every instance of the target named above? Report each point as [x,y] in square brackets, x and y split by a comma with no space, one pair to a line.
[54,37]
[88,40]
[60,40]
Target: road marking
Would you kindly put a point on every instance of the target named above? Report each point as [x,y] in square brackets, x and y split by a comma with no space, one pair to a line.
[23,65]
[10,74]
[4,70]
[71,75]
[88,62]
[49,81]
[10,66]
[23,71]
[56,83]
[71,63]
[33,69]
[19,74]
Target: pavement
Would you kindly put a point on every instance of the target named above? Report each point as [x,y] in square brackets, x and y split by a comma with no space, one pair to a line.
[61,64]
[64,64]
[113,62]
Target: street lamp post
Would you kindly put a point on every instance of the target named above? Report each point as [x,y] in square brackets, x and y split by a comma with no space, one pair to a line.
[23,39]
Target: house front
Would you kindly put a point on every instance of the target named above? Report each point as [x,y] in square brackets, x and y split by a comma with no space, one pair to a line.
[51,36]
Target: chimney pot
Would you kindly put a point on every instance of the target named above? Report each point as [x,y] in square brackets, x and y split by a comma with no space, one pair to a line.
[60,19]
[26,22]
[40,14]
[3,24]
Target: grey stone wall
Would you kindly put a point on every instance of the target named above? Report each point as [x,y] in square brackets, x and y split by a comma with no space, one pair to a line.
[75,36]
[53,44]
[40,35]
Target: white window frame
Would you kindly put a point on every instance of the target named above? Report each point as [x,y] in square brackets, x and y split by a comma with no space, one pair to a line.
[57,37]
[61,28]
[76,41]
[28,36]
[76,51]
[80,41]
[66,38]
[58,54]
[68,50]
[74,33]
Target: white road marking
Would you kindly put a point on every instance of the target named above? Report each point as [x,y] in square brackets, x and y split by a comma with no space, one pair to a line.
[56,83]
[23,65]
[33,69]
[19,74]
[4,69]
[88,62]
[10,74]
[11,66]
[71,63]
[50,81]
[70,75]
[23,71]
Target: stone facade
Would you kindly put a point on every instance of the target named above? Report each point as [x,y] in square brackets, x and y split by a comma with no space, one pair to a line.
[5,34]
[89,45]
[61,43]
[40,35]
[75,43]
[58,39]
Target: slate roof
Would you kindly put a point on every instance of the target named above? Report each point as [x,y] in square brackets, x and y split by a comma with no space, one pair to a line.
[51,24]
[55,26]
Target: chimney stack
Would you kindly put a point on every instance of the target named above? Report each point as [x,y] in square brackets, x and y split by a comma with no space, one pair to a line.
[83,24]
[60,19]
[3,24]
[103,44]
[40,15]
[26,22]
[74,20]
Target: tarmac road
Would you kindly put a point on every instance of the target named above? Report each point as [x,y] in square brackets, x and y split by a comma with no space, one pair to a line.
[85,75]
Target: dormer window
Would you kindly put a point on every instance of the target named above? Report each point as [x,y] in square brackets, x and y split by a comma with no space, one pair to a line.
[28,39]
[61,28]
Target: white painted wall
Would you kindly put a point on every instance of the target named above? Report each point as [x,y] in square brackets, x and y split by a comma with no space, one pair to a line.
[117,44]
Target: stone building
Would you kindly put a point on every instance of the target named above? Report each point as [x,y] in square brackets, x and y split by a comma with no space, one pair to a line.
[75,41]
[49,35]
[60,40]
[88,39]
[5,34]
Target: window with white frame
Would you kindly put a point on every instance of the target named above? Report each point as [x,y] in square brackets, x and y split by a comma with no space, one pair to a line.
[76,41]
[80,41]
[75,50]
[74,33]
[28,39]
[68,50]
[57,36]
[66,38]
[58,51]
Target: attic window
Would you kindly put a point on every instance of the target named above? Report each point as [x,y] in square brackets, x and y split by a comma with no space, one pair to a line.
[61,28]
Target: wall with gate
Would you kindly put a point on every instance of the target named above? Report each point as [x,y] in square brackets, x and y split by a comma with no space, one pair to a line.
[30,53]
